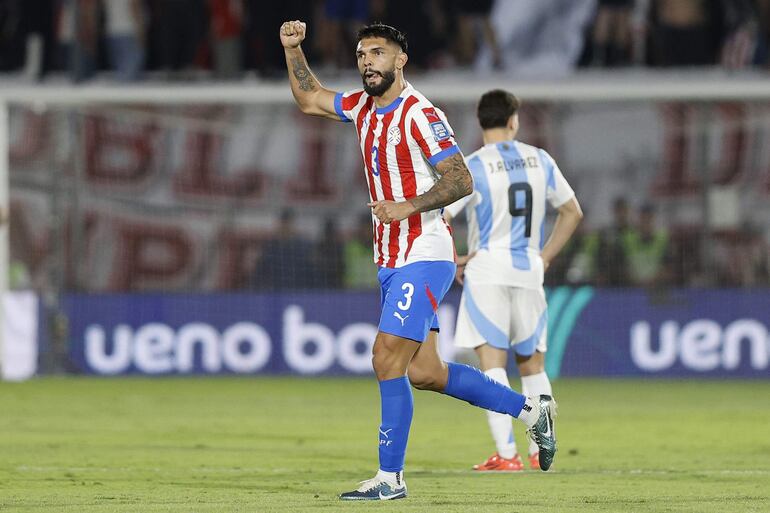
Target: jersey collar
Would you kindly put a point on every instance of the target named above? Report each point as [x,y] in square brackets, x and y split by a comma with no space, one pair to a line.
[390,107]
[395,103]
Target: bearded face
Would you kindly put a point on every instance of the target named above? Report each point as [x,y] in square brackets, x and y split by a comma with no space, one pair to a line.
[377,61]
[377,82]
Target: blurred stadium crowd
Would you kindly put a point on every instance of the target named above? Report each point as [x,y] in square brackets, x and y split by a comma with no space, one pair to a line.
[633,251]
[230,39]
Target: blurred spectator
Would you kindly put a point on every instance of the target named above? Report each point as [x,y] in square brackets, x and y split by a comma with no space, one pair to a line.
[11,35]
[742,38]
[612,263]
[473,17]
[763,20]
[647,251]
[612,33]
[124,28]
[685,32]
[576,263]
[543,38]
[285,261]
[78,36]
[757,259]
[19,276]
[226,26]
[261,23]
[37,27]
[178,29]
[426,25]
[743,259]
[360,271]
[687,263]
[328,258]
[341,21]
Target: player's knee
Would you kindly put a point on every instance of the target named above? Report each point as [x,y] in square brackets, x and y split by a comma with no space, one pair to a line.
[423,378]
[530,365]
[422,381]
[381,362]
[386,362]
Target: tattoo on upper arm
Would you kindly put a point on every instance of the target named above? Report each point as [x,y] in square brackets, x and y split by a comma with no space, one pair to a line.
[455,182]
[302,74]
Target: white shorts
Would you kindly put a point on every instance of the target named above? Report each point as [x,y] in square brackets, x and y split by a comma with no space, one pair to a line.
[502,316]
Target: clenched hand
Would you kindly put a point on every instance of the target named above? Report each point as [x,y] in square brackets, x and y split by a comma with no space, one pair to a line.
[389,211]
[292,33]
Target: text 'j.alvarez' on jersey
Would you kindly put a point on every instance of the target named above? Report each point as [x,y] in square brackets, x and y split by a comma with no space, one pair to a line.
[513,182]
[401,144]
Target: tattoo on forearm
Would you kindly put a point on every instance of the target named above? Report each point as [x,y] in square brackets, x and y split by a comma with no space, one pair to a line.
[455,182]
[302,74]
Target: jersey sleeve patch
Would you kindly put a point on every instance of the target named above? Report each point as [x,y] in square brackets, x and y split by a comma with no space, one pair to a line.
[440,131]
[437,125]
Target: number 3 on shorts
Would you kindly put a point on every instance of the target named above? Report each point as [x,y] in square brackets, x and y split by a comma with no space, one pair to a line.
[409,288]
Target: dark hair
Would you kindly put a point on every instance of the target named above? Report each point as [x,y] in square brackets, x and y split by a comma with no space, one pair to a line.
[385,31]
[495,108]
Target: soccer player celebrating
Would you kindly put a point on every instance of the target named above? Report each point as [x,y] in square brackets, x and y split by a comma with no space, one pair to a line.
[503,303]
[405,143]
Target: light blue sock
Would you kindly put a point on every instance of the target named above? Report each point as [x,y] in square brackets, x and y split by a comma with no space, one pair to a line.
[396,408]
[475,387]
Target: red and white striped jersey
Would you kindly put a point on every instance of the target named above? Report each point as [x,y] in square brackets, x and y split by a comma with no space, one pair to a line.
[400,145]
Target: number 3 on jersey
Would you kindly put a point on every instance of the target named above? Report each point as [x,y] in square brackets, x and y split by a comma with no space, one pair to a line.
[407,302]
[526,210]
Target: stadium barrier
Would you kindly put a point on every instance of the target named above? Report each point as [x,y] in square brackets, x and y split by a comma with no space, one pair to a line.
[592,332]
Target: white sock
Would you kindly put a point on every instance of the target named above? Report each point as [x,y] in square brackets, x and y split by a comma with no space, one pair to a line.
[500,424]
[535,385]
[529,412]
[394,478]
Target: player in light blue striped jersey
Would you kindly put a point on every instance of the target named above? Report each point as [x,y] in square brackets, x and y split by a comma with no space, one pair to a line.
[503,303]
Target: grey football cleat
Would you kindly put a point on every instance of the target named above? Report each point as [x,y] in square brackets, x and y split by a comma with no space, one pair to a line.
[377,489]
[543,432]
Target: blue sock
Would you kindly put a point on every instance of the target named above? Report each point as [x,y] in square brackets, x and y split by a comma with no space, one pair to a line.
[473,386]
[397,407]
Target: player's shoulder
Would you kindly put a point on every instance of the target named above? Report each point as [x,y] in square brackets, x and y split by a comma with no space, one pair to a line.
[528,149]
[478,160]
[356,90]
[357,96]
[420,98]
[485,152]
[481,155]
[421,104]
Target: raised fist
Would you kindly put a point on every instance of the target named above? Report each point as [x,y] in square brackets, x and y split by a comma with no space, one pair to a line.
[292,33]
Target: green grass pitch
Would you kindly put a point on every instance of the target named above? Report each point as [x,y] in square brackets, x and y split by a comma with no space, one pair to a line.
[290,445]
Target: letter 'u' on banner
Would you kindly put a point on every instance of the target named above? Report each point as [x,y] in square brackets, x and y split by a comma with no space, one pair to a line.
[18,320]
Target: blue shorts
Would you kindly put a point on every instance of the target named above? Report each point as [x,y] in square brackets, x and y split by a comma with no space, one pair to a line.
[410,296]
